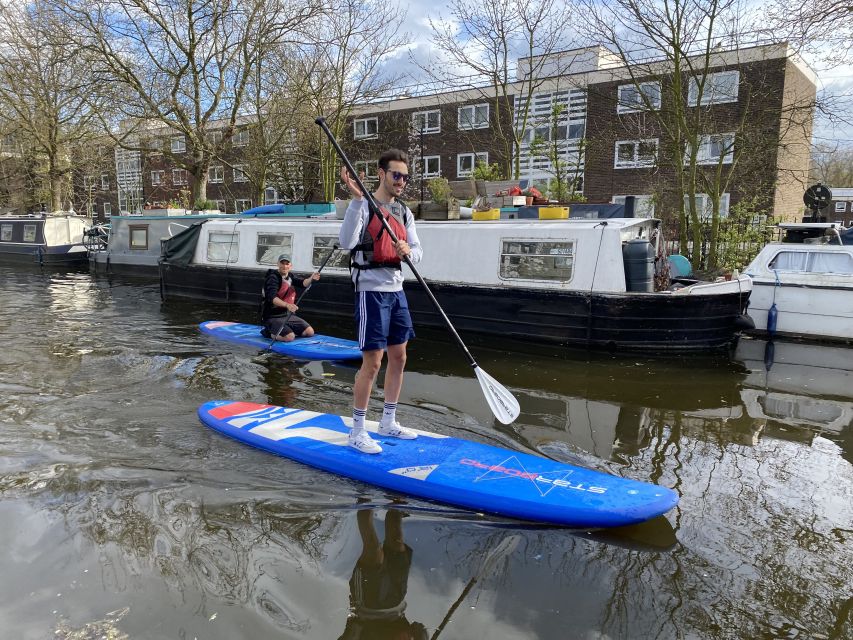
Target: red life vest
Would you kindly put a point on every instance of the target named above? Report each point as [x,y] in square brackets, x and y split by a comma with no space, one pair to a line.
[286,292]
[377,245]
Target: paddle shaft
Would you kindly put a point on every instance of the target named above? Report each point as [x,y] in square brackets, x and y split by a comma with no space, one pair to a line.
[302,295]
[374,206]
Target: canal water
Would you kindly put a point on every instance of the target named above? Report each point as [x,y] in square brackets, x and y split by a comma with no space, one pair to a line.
[121,516]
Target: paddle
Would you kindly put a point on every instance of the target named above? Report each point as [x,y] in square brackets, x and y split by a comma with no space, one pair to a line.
[502,403]
[301,295]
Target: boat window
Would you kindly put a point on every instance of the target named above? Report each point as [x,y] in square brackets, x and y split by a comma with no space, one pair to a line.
[222,247]
[813,262]
[29,233]
[138,237]
[537,260]
[271,246]
[6,232]
[322,247]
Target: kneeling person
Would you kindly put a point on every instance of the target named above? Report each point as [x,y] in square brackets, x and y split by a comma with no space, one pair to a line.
[280,302]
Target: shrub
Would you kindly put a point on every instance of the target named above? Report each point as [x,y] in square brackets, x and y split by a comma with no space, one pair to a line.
[439,190]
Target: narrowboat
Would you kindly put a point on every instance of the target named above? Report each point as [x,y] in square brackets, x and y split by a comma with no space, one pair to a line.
[132,244]
[587,283]
[43,238]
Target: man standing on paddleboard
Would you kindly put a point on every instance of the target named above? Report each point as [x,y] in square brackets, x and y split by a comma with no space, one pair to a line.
[381,309]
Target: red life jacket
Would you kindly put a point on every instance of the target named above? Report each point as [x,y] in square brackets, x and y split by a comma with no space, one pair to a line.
[376,244]
[286,292]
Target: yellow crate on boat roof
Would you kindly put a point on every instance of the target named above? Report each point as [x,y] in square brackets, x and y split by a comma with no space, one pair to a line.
[553,213]
[491,214]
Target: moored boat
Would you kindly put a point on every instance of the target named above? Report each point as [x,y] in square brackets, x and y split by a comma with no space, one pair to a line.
[568,282]
[43,239]
[803,286]
[133,244]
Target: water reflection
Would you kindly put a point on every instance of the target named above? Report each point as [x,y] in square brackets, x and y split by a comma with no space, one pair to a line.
[121,512]
[380,581]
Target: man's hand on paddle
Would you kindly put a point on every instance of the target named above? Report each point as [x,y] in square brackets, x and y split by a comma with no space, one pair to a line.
[350,183]
[403,249]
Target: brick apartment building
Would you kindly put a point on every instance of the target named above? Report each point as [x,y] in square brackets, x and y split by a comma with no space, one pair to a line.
[759,100]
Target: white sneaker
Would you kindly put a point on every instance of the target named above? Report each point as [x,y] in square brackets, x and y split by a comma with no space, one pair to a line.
[364,443]
[396,431]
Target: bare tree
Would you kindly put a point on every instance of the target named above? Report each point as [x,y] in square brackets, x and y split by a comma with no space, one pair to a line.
[669,51]
[822,27]
[49,100]
[183,65]
[481,40]
[342,68]
[832,165]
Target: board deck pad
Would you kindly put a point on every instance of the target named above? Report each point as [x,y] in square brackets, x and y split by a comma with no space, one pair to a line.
[446,469]
[317,347]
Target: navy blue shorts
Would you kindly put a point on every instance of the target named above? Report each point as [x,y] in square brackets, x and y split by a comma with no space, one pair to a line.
[382,319]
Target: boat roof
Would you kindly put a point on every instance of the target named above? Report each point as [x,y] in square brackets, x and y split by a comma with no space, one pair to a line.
[799,226]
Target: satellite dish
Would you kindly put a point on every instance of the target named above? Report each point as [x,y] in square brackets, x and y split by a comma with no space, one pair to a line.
[817,196]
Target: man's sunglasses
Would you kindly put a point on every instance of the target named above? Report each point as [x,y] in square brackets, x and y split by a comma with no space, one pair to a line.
[396,175]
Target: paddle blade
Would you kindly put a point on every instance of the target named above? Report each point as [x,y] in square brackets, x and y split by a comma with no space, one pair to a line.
[502,403]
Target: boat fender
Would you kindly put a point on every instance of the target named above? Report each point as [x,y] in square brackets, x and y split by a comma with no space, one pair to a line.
[772,317]
[744,323]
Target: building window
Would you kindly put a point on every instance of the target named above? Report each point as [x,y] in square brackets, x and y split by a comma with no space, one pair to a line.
[108,210]
[640,97]
[431,166]
[841,206]
[220,204]
[713,148]
[214,137]
[179,176]
[718,88]
[636,153]
[537,260]
[240,173]
[365,128]
[466,162]
[644,205]
[105,182]
[223,247]
[241,138]
[29,233]
[427,121]
[475,116]
[216,174]
[6,233]
[272,245]
[179,145]
[138,237]
[242,205]
[322,246]
[157,177]
[705,208]
[367,169]
[88,182]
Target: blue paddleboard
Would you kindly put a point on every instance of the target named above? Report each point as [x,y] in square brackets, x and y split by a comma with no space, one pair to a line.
[459,472]
[317,347]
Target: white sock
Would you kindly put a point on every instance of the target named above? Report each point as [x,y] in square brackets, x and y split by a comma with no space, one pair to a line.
[358,416]
[389,413]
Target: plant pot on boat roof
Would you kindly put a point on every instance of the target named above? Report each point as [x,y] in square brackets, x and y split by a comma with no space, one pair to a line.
[443,206]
